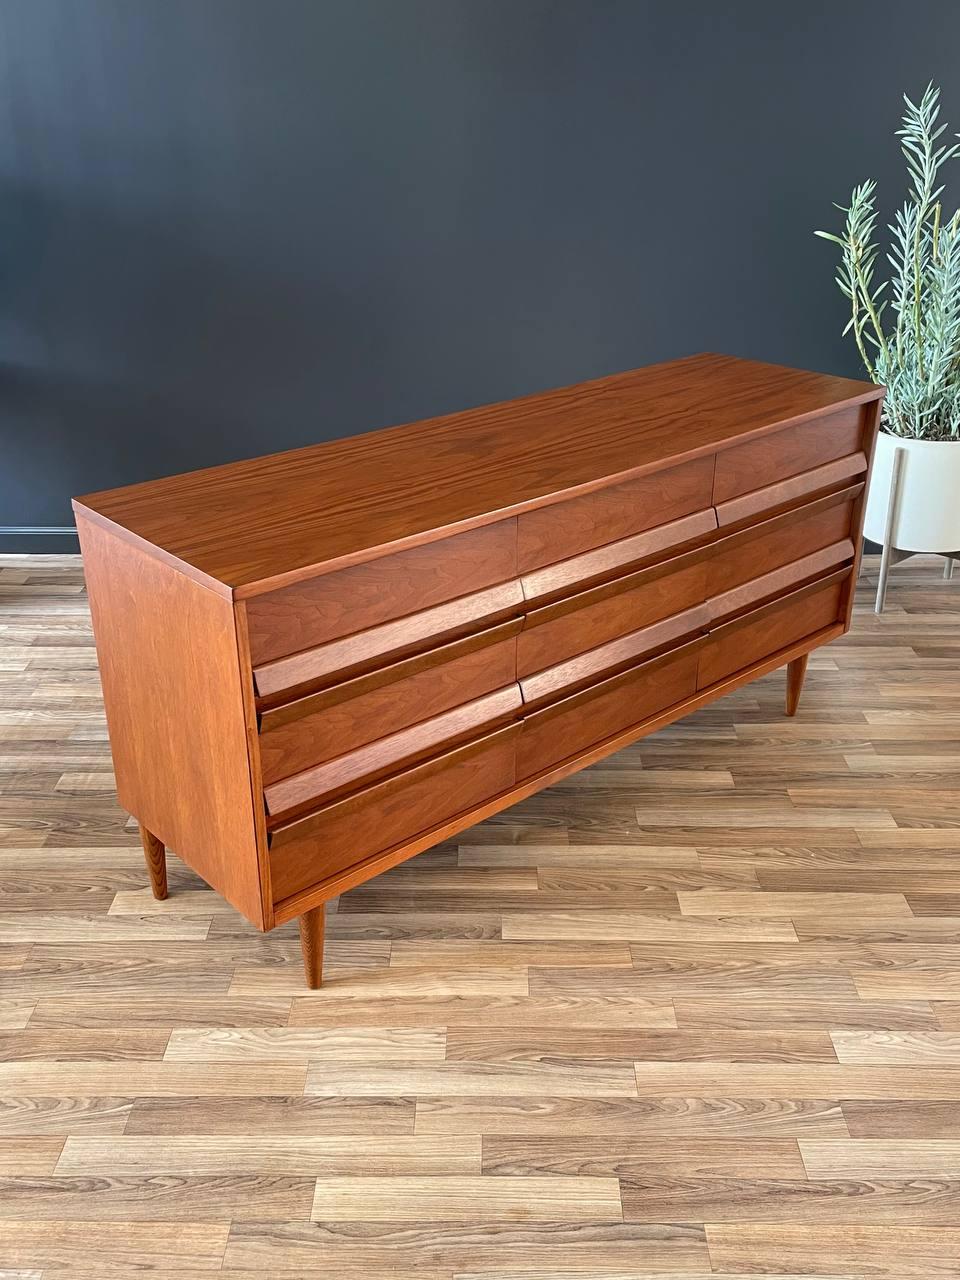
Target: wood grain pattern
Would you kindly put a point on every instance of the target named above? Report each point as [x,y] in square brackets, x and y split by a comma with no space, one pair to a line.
[785,493]
[773,627]
[317,728]
[780,582]
[759,463]
[177,721]
[689,533]
[628,650]
[770,544]
[569,528]
[366,596]
[289,677]
[796,670]
[354,497]
[677,1048]
[819,1249]
[372,819]
[573,723]
[388,753]
[155,856]
[311,946]
[582,621]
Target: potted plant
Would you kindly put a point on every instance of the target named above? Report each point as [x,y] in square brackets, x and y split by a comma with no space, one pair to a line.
[907,329]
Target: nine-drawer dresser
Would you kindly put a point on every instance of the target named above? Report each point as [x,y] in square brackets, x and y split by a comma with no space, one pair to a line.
[319,663]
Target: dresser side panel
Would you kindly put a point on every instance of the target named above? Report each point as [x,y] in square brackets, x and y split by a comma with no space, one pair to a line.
[172,686]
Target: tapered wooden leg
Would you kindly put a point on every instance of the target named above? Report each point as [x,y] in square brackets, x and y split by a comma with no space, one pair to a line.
[796,670]
[155,856]
[311,944]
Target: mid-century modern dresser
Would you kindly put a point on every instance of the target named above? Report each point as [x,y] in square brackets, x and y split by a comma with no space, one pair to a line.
[319,663]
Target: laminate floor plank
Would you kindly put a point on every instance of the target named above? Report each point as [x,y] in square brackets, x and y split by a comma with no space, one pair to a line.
[520,1010]
[47,1243]
[109,1044]
[935,1119]
[467,1199]
[715,1198]
[674,1117]
[292,1117]
[898,1252]
[904,1048]
[792,1012]
[305,1156]
[691,1013]
[290,1044]
[168,1198]
[626,1157]
[876,1159]
[488,1042]
[354,1250]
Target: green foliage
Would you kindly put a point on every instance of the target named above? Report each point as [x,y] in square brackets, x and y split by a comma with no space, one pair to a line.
[909,340]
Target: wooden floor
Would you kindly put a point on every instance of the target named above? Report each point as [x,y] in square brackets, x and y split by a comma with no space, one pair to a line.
[694,1012]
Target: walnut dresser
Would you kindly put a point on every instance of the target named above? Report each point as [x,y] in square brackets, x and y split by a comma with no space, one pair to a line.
[319,663]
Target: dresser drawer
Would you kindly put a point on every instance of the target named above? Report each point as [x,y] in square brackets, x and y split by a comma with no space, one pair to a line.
[336,721]
[788,465]
[584,719]
[610,514]
[777,541]
[570,627]
[387,754]
[391,812]
[316,631]
[764,632]
[615,558]
[769,559]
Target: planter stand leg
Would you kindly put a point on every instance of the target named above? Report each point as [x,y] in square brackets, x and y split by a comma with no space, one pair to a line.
[888,548]
[948,568]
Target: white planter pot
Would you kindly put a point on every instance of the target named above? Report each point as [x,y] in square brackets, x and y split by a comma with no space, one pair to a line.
[927,514]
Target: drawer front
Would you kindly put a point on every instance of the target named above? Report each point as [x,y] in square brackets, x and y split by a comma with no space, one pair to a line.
[342,659]
[556,681]
[615,558]
[557,632]
[787,465]
[776,542]
[335,722]
[776,626]
[365,596]
[391,812]
[779,582]
[572,726]
[386,755]
[619,511]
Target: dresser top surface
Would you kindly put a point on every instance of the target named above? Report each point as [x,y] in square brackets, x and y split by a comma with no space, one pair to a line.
[244,525]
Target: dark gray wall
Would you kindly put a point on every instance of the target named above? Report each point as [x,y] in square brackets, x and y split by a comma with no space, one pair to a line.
[234,226]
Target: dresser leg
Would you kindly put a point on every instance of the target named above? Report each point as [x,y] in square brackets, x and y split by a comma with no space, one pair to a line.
[311,944]
[155,856]
[796,670]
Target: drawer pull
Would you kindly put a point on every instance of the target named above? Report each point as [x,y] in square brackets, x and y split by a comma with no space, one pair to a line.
[778,581]
[775,626]
[381,756]
[606,658]
[785,491]
[609,560]
[417,630]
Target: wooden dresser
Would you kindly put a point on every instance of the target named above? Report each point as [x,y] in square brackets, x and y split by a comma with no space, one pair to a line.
[319,663]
